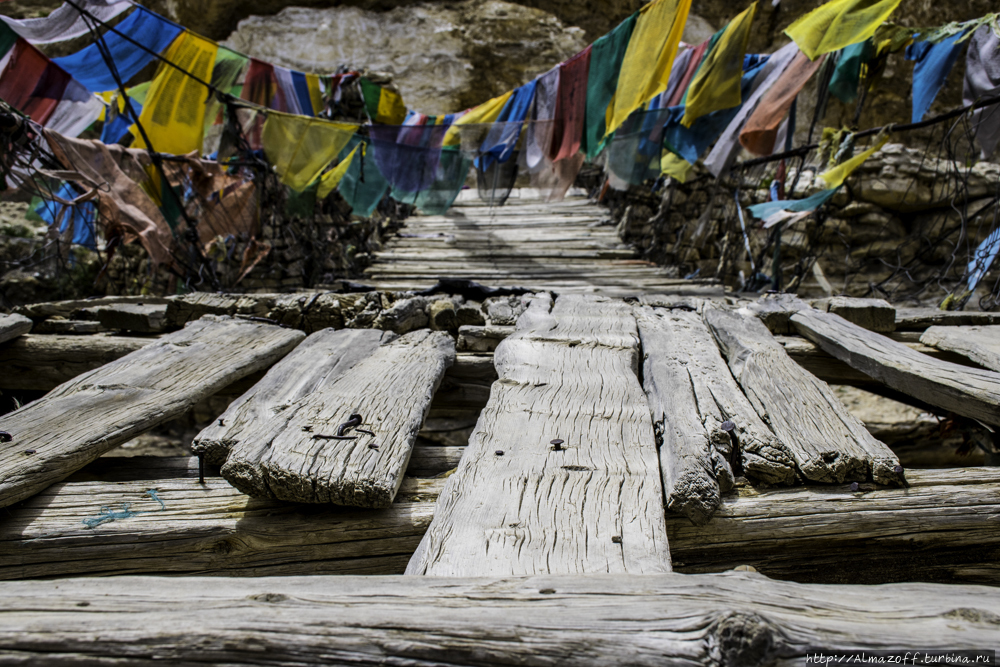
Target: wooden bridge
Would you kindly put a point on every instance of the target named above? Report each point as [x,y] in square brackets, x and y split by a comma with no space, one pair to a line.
[610,465]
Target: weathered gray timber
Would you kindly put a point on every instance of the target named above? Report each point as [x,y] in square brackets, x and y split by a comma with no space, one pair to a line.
[522,503]
[872,314]
[691,395]
[482,339]
[918,319]
[12,326]
[41,311]
[542,247]
[298,454]
[981,344]
[834,371]
[931,532]
[41,363]
[68,327]
[776,310]
[826,441]
[320,358]
[137,317]
[105,529]
[738,618]
[939,528]
[966,391]
[99,410]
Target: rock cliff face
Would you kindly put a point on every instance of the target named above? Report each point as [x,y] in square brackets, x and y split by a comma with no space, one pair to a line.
[444,57]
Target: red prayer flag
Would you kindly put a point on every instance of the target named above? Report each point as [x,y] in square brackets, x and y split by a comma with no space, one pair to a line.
[32,83]
[571,104]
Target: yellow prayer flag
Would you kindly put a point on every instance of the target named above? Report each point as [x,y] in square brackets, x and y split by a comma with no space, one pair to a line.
[839,23]
[836,176]
[716,86]
[487,112]
[315,94]
[174,113]
[332,178]
[648,58]
[300,147]
[675,166]
[391,110]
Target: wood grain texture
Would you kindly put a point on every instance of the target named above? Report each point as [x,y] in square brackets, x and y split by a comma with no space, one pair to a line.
[735,619]
[776,310]
[529,244]
[981,344]
[41,363]
[942,527]
[106,529]
[137,317]
[966,391]
[321,357]
[938,529]
[518,506]
[99,410]
[918,319]
[826,441]
[288,458]
[691,393]
[872,314]
[12,326]
[41,311]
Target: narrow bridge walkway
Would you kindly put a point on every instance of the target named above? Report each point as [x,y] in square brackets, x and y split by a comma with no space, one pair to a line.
[566,247]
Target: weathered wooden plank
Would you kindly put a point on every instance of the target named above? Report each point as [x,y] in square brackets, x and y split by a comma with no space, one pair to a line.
[41,311]
[872,314]
[826,441]
[918,319]
[68,327]
[739,618]
[321,357]
[691,396]
[12,326]
[292,457]
[140,318]
[834,371]
[41,363]
[481,339]
[937,529]
[932,531]
[775,311]
[112,528]
[521,504]
[966,391]
[979,343]
[99,410]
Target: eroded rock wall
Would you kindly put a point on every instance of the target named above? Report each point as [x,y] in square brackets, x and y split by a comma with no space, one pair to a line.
[443,57]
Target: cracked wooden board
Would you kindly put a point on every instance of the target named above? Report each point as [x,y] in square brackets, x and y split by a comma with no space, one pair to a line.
[691,394]
[979,343]
[107,529]
[12,326]
[519,505]
[966,391]
[321,357]
[827,443]
[737,618]
[99,410]
[940,528]
[293,457]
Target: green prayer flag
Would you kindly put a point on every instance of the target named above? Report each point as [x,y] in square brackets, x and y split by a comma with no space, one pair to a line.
[847,76]
[606,58]
[7,39]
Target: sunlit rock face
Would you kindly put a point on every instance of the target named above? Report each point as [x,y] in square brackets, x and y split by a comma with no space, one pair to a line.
[443,57]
